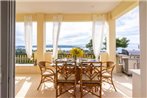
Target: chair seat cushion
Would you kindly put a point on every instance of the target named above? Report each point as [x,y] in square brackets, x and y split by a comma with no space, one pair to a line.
[87,77]
[47,73]
[106,75]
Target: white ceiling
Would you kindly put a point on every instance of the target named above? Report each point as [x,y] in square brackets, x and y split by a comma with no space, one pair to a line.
[65,6]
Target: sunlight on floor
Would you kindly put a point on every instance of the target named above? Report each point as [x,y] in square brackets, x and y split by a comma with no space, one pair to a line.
[26,87]
[127,85]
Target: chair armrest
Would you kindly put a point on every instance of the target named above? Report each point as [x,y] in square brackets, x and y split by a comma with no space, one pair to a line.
[47,62]
[50,70]
[108,69]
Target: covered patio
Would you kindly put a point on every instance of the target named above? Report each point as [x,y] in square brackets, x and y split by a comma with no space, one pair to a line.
[28,76]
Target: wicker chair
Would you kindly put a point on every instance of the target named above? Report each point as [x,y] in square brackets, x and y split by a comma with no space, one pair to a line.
[107,73]
[91,78]
[47,74]
[65,77]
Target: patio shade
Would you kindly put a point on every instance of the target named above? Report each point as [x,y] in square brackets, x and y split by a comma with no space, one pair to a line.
[100,28]
[28,35]
[56,30]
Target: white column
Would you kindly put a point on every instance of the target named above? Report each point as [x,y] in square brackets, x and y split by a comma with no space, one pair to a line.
[111,41]
[40,37]
[143,47]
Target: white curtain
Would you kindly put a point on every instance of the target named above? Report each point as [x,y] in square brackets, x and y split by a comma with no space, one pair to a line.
[100,28]
[56,30]
[28,35]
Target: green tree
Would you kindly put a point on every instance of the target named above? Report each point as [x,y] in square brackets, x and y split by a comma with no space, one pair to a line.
[123,42]
[89,46]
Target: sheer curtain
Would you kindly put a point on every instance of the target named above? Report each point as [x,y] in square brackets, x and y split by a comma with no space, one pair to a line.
[56,30]
[28,35]
[100,28]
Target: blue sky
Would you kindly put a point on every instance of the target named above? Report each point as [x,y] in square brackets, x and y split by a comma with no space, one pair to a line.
[79,33]
[128,26]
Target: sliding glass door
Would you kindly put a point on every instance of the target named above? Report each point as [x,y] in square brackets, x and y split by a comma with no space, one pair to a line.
[7,49]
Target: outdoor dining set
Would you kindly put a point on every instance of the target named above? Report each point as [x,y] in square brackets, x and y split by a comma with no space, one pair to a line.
[70,76]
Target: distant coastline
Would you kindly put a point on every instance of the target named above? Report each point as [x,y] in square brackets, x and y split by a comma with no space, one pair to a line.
[48,47]
[131,46]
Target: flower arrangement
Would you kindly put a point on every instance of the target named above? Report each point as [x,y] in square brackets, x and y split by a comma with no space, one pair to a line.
[76,52]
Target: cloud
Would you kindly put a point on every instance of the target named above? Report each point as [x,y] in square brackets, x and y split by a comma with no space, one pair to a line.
[128,26]
[75,33]
[129,32]
[20,33]
[79,40]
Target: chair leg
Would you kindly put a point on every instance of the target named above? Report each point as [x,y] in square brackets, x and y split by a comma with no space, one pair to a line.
[40,83]
[81,90]
[75,91]
[54,82]
[56,91]
[113,85]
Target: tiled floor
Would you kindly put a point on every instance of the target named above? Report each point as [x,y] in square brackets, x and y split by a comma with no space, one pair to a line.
[26,87]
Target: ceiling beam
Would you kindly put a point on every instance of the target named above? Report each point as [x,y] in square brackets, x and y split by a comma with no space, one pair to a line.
[66,17]
[122,8]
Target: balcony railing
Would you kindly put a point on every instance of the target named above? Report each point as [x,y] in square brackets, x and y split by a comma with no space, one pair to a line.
[23,59]
[90,56]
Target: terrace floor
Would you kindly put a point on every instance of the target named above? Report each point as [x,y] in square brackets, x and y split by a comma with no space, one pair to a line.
[26,87]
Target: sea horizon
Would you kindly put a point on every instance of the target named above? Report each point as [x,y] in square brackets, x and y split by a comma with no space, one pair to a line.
[131,46]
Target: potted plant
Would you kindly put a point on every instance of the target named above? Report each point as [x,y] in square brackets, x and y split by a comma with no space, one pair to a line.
[76,52]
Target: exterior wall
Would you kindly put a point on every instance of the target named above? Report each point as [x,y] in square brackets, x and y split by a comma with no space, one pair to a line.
[30,68]
[136,88]
[104,57]
[26,69]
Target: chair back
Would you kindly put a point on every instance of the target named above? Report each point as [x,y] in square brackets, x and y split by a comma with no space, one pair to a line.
[91,71]
[42,66]
[91,78]
[110,66]
[65,70]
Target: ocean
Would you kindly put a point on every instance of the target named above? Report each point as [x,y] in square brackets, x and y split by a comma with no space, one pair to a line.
[131,46]
[61,47]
